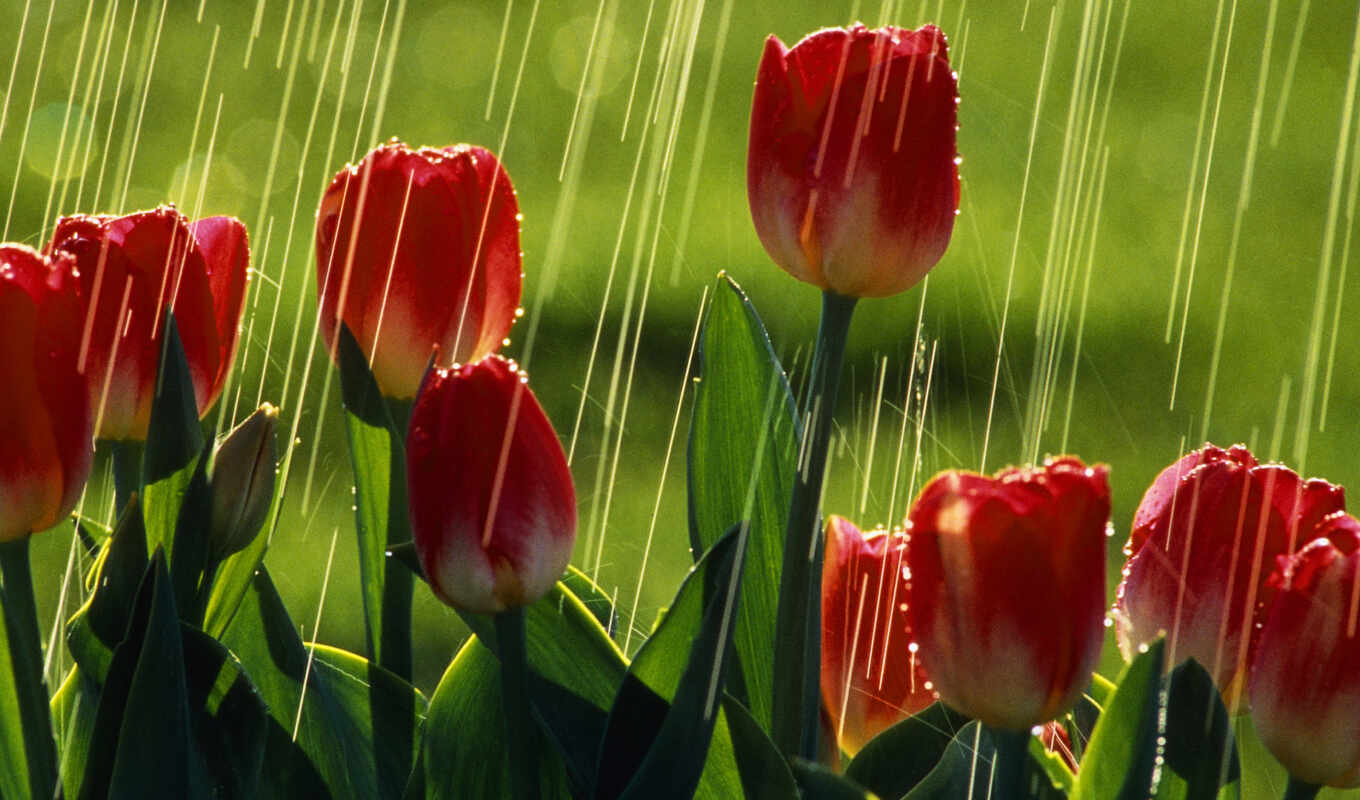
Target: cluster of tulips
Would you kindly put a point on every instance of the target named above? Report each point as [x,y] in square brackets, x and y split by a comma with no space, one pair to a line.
[990,599]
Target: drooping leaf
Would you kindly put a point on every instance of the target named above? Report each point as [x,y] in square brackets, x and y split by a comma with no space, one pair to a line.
[465,736]
[347,738]
[1120,758]
[378,454]
[964,768]
[662,721]
[742,451]
[1200,759]
[174,444]
[901,756]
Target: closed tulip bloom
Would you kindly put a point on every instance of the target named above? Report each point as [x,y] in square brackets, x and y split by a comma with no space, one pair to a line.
[1205,539]
[132,268]
[1305,677]
[493,510]
[871,676]
[1008,588]
[417,249]
[46,438]
[852,171]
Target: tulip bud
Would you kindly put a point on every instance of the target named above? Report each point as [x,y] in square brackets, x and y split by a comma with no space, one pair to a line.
[871,676]
[852,172]
[493,510]
[45,419]
[131,269]
[1008,588]
[243,481]
[417,249]
[1305,676]
[1204,540]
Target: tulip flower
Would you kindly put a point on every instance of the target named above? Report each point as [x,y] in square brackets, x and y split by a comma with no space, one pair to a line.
[46,424]
[243,482]
[134,267]
[493,510]
[1305,676]
[1008,588]
[852,171]
[417,249]
[1205,538]
[871,676]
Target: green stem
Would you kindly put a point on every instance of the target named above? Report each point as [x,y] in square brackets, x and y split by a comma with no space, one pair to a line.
[797,644]
[25,655]
[127,471]
[398,582]
[1300,790]
[1008,765]
[520,752]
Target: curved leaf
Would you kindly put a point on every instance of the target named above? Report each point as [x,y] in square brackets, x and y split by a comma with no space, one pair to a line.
[902,756]
[1120,758]
[742,450]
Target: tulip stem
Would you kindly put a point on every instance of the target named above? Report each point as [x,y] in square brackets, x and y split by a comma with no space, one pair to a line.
[1300,790]
[521,755]
[25,656]
[1008,764]
[797,644]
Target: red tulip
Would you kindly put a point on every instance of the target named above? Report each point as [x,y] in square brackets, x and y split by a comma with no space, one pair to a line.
[1204,540]
[1305,677]
[1008,588]
[493,511]
[131,269]
[852,172]
[417,249]
[46,440]
[871,677]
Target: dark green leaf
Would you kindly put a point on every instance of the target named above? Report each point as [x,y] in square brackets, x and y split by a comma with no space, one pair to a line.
[764,773]
[74,707]
[349,735]
[741,468]
[964,769]
[138,744]
[655,747]
[229,716]
[233,582]
[820,783]
[377,452]
[174,443]
[1119,760]
[1201,752]
[901,756]
[465,735]
[192,528]
[592,597]
[98,626]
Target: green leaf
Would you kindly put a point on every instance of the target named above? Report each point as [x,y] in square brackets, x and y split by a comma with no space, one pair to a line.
[174,444]
[742,455]
[73,713]
[465,735]
[378,454]
[138,744]
[593,598]
[764,773]
[902,756]
[1120,758]
[355,734]
[98,626]
[26,736]
[964,769]
[1053,766]
[820,783]
[1201,751]
[657,740]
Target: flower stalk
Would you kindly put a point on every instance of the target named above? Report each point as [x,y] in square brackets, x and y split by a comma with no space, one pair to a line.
[797,645]
[521,753]
[25,655]
[1008,764]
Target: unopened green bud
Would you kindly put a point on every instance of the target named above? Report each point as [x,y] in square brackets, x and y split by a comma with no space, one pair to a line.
[243,481]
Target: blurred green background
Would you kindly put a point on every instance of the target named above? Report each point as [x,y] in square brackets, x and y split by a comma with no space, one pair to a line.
[623,126]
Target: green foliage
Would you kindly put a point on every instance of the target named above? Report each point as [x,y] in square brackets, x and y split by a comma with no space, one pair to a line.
[174,445]
[902,756]
[1200,760]
[742,446]
[378,455]
[1119,761]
